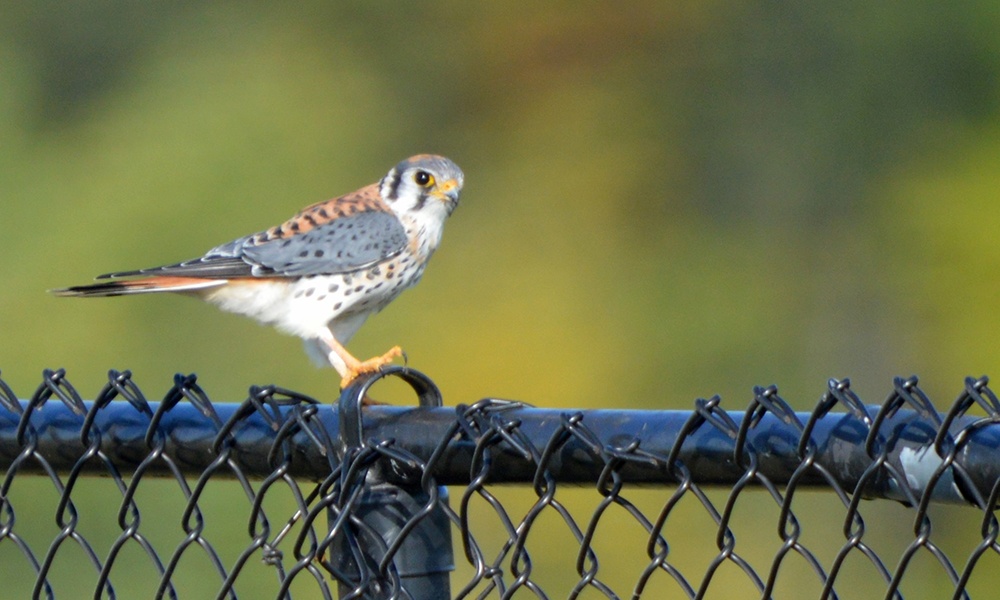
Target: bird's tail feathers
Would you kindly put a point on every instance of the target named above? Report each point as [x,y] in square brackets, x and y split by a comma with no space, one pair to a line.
[148,285]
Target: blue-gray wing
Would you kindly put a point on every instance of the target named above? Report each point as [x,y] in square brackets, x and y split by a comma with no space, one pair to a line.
[341,245]
[344,244]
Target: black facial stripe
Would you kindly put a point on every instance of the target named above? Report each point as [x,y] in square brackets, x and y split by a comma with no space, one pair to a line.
[396,176]
[421,201]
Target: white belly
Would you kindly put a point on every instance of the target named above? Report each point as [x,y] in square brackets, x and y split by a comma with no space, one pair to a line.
[302,307]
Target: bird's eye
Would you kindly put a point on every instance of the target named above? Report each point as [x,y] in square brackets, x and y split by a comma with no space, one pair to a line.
[423,178]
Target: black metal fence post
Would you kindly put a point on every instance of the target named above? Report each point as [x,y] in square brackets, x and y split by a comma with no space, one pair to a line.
[412,550]
[375,472]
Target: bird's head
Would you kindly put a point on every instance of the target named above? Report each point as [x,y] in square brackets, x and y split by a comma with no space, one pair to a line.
[425,184]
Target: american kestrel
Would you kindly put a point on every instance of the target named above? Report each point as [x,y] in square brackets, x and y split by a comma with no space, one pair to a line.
[320,274]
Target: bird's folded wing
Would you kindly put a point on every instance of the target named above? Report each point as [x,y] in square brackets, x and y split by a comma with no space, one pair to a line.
[341,245]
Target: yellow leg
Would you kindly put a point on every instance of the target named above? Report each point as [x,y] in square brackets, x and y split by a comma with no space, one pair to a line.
[350,367]
[357,367]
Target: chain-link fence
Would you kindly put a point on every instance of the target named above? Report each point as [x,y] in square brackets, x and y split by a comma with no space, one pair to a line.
[282,497]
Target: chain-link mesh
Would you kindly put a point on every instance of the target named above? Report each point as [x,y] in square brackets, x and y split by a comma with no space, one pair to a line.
[282,497]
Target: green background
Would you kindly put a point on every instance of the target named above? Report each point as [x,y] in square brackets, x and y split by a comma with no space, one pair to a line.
[663,201]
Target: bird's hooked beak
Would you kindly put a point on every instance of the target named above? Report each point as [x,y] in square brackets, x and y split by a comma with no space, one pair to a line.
[447,191]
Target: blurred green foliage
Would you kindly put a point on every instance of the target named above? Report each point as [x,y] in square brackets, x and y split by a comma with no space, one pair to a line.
[663,200]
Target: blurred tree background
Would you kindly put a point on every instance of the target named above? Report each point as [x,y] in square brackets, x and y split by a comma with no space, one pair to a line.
[663,200]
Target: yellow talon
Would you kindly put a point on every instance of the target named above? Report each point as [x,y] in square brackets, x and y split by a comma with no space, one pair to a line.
[370,366]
